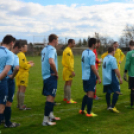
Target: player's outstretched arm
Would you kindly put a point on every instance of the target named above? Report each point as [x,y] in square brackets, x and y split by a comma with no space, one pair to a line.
[118,74]
[96,73]
[5,71]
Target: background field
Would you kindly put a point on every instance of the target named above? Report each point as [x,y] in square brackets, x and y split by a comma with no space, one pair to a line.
[72,123]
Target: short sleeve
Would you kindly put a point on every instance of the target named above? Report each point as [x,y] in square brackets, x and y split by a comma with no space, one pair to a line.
[92,60]
[16,61]
[114,64]
[10,59]
[52,53]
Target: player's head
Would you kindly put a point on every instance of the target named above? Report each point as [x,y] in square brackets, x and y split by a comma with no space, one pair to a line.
[53,40]
[23,44]
[71,43]
[98,43]
[115,45]
[17,47]
[92,43]
[131,44]
[111,50]
[9,41]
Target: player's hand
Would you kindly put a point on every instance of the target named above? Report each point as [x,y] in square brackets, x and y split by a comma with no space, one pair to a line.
[99,80]
[10,76]
[55,74]
[121,81]
[32,64]
[125,77]
[119,62]
[73,74]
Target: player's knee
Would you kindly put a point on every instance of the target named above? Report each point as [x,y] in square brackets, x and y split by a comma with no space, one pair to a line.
[2,108]
[9,104]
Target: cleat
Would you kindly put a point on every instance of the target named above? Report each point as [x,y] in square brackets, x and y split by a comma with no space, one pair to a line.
[96,98]
[115,110]
[24,108]
[130,107]
[109,108]
[91,115]
[82,112]
[94,115]
[55,119]
[13,124]
[71,101]
[64,99]
[48,123]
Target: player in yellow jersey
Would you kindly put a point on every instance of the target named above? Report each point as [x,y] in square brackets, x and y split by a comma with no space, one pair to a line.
[119,55]
[23,74]
[68,70]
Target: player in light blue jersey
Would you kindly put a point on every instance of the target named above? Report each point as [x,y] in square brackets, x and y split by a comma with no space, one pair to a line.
[89,76]
[50,76]
[11,86]
[110,81]
[6,61]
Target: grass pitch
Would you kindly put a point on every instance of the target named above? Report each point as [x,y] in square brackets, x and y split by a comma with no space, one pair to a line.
[71,122]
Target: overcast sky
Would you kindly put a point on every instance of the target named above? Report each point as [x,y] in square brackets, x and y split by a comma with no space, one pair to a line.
[33,19]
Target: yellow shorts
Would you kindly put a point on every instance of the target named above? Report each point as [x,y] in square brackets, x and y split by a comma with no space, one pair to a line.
[22,78]
[67,75]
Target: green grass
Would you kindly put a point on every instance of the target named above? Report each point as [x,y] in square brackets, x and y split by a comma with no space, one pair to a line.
[72,123]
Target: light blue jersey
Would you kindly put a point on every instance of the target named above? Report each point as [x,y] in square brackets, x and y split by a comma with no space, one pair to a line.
[109,65]
[6,58]
[16,63]
[88,59]
[48,52]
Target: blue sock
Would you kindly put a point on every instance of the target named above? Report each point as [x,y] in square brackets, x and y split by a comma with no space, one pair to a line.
[7,115]
[52,107]
[89,105]
[115,98]
[0,118]
[84,102]
[48,108]
[108,99]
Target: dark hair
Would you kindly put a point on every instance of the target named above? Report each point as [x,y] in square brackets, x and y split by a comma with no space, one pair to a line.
[97,41]
[70,41]
[23,43]
[110,49]
[131,43]
[8,39]
[52,37]
[115,42]
[91,42]
[17,44]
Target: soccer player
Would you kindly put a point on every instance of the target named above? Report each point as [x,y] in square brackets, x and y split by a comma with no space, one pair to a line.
[129,67]
[89,74]
[119,55]
[68,70]
[110,81]
[11,87]
[97,63]
[6,61]
[23,74]
[50,77]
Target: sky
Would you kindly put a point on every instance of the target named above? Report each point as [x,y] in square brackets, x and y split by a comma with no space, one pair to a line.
[34,20]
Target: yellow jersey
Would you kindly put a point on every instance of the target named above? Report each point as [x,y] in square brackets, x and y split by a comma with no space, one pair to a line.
[68,59]
[119,55]
[23,64]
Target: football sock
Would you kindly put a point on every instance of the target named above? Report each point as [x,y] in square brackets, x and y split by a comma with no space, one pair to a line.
[21,99]
[84,102]
[18,97]
[115,98]
[89,104]
[7,115]
[65,92]
[48,108]
[132,97]
[108,99]
[68,89]
[1,118]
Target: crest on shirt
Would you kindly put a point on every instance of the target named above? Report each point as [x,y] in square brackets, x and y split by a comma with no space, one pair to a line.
[23,60]
[68,54]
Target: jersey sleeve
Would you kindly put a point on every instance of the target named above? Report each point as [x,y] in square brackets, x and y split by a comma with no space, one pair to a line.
[52,53]
[122,56]
[10,59]
[23,62]
[16,61]
[92,60]
[104,55]
[114,64]
[127,61]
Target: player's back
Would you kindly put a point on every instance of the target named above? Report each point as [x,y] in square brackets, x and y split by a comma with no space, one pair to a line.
[48,52]
[88,59]
[5,54]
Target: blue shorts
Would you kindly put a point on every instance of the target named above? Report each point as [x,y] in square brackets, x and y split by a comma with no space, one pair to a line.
[50,86]
[114,87]
[3,91]
[89,85]
[11,89]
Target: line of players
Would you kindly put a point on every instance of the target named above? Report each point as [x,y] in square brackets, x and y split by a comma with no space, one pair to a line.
[10,64]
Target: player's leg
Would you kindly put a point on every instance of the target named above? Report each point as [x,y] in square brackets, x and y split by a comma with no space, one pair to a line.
[2,108]
[90,97]
[65,93]
[108,100]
